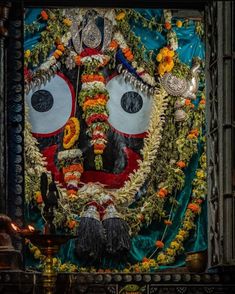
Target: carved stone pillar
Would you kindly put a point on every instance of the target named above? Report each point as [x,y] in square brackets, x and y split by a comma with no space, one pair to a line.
[4,12]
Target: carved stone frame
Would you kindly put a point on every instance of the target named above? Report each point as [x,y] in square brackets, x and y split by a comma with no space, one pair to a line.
[220,60]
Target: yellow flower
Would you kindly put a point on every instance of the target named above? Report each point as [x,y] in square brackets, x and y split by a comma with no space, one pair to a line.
[200,174]
[161,69]
[164,51]
[188,225]
[171,53]
[120,16]
[170,251]
[63,267]
[175,245]
[192,136]
[169,66]
[159,57]
[161,258]
[145,266]
[152,262]
[67,22]
[182,233]
[27,53]
[179,23]
[179,237]
[58,52]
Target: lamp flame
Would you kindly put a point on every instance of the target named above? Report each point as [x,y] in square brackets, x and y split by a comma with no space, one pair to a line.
[15,228]
[31,228]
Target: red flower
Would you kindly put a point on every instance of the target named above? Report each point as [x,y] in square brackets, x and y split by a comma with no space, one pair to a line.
[96,117]
[28,74]
[89,52]
[159,244]
[145,259]
[99,136]
[44,15]
[167,25]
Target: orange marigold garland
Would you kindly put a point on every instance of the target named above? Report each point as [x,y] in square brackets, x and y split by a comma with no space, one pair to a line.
[70,160]
[71,132]
[93,99]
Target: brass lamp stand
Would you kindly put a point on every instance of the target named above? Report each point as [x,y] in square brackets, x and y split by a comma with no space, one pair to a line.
[49,245]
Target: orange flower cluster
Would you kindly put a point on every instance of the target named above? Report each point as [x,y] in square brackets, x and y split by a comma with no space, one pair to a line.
[59,49]
[44,15]
[162,193]
[93,102]
[92,78]
[97,96]
[187,102]
[77,59]
[71,224]
[38,197]
[159,244]
[128,54]
[194,207]
[193,134]
[71,132]
[145,259]
[168,222]
[99,148]
[179,23]
[113,45]
[71,178]
[72,168]
[203,101]
[71,193]
[181,164]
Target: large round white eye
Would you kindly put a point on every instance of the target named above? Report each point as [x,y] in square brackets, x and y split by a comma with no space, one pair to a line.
[129,109]
[50,106]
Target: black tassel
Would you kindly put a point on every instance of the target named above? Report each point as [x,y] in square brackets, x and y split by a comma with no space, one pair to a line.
[117,232]
[90,241]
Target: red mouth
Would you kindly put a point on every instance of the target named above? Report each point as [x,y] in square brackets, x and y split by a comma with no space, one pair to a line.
[110,180]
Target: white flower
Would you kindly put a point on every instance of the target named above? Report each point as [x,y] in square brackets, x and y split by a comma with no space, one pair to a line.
[93,85]
[167,15]
[65,38]
[73,153]
[99,57]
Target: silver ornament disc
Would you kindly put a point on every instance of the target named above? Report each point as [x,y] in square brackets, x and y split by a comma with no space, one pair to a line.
[173,85]
[91,35]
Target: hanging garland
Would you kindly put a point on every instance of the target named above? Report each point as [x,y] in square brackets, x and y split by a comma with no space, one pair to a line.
[93,98]
[35,163]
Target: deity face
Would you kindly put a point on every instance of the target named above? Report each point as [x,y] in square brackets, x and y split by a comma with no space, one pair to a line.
[52,105]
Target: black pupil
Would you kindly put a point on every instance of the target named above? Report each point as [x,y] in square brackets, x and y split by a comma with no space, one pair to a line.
[42,100]
[131,102]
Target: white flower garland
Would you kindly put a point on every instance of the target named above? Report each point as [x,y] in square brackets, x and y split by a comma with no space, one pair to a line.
[125,195]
